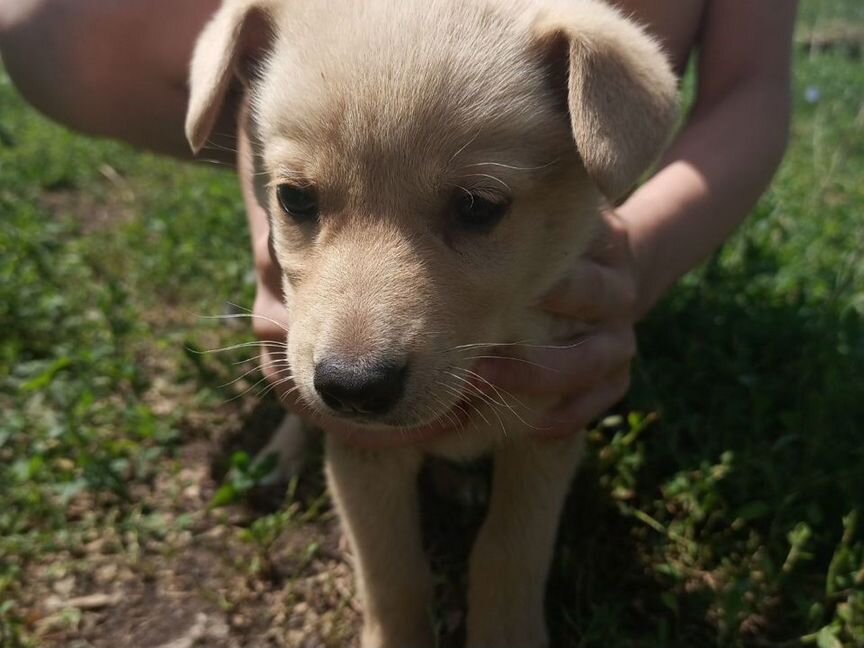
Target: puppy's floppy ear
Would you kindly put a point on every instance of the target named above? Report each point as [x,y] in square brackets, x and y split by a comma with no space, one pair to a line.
[227,47]
[620,89]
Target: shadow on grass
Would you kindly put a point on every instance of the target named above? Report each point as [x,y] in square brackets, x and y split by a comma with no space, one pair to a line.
[777,379]
[744,482]
[253,434]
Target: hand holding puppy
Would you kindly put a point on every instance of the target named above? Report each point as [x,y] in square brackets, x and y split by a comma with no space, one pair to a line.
[592,371]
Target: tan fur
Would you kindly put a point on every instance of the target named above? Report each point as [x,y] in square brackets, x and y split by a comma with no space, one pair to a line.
[389,108]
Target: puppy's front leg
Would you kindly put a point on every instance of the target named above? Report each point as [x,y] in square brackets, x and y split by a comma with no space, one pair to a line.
[510,559]
[376,496]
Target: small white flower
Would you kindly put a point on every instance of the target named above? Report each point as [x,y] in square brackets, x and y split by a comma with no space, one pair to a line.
[812,94]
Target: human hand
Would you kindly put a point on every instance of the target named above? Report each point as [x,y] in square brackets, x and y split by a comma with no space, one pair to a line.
[271,325]
[591,373]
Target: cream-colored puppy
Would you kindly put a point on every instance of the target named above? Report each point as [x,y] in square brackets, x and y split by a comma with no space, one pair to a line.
[431,168]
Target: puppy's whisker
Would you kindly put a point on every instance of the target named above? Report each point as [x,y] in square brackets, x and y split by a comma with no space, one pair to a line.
[477,389]
[219,163]
[301,404]
[468,414]
[491,177]
[463,147]
[461,396]
[445,411]
[241,345]
[425,412]
[251,371]
[473,406]
[498,391]
[246,310]
[288,175]
[275,363]
[288,392]
[479,345]
[261,356]
[526,344]
[246,391]
[223,134]
[298,405]
[239,307]
[511,166]
[460,424]
[467,193]
[487,398]
[514,359]
[246,316]
[248,360]
[273,384]
[219,147]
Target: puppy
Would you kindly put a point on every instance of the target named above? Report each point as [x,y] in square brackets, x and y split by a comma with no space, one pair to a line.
[431,168]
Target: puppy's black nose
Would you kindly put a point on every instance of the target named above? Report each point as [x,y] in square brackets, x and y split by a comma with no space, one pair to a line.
[352,388]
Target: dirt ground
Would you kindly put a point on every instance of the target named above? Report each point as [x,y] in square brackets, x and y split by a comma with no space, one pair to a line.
[195,579]
[202,585]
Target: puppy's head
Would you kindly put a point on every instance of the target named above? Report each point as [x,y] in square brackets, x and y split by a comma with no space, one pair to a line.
[431,169]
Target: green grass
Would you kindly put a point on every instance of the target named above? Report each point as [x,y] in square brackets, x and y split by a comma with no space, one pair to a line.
[90,313]
[829,12]
[728,513]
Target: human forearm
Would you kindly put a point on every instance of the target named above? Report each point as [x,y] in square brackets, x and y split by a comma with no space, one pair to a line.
[728,150]
[707,183]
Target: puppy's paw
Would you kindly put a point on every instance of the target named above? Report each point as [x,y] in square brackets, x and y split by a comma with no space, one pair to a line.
[418,635]
[505,603]
[507,635]
[287,449]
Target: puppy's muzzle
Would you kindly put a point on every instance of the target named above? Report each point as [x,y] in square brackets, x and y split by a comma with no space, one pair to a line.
[360,389]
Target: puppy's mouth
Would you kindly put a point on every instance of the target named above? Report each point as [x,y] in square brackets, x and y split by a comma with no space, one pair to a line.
[455,414]
[374,434]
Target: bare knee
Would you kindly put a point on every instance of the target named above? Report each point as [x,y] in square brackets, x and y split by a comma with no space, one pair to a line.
[40,53]
[103,67]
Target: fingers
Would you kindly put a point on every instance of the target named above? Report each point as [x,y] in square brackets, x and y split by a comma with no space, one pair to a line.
[562,369]
[592,292]
[575,414]
[276,370]
[600,286]
[270,324]
[270,318]
[611,244]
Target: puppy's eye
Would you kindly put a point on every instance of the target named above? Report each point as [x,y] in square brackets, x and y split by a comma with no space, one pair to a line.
[300,204]
[477,213]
